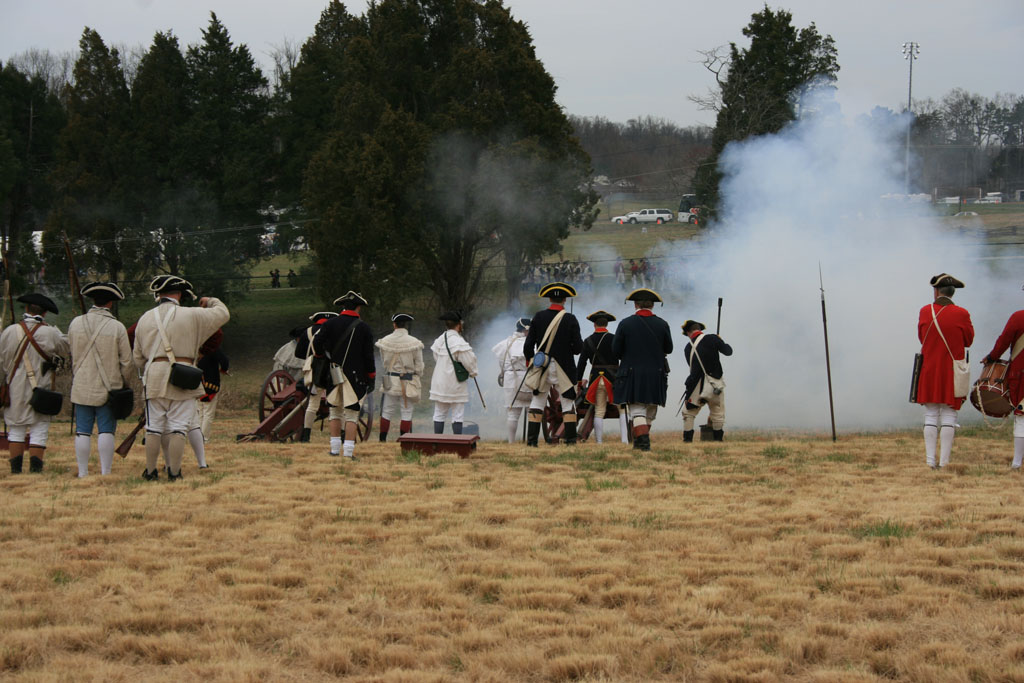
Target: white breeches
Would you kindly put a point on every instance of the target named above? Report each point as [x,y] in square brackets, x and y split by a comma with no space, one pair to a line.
[442,410]
[38,433]
[166,416]
[394,403]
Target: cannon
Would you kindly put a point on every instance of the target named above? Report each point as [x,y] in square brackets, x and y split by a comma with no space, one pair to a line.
[282,407]
[551,424]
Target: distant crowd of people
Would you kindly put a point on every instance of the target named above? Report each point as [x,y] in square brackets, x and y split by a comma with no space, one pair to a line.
[578,273]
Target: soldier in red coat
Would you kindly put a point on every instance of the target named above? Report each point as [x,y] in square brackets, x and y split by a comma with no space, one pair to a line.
[1013,338]
[945,332]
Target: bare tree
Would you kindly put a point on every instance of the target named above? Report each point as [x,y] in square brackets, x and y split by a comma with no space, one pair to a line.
[285,57]
[55,68]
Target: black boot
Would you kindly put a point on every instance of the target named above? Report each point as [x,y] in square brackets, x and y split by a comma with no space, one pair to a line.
[688,436]
[532,434]
[35,464]
[570,433]
[719,434]
[150,476]
[16,464]
[383,437]
[438,427]
[304,435]
[642,442]
[456,427]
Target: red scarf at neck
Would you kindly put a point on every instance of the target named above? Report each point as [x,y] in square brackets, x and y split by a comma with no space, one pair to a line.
[644,312]
[556,307]
[352,314]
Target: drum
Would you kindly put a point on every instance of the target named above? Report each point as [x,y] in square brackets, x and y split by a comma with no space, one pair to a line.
[990,394]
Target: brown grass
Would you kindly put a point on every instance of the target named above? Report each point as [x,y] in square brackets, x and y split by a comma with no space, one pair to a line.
[759,559]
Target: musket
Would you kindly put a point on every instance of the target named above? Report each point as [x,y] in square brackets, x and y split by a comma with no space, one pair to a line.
[129,440]
[480,393]
[76,289]
[718,325]
[828,362]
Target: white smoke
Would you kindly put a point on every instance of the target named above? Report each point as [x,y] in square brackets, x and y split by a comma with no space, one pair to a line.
[811,194]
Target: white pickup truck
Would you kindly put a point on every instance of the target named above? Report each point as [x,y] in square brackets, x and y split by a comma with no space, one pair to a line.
[658,216]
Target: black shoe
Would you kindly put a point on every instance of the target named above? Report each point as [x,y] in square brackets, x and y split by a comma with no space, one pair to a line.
[383,437]
[688,437]
[304,435]
[532,434]
[642,442]
[719,434]
[150,476]
[172,477]
[35,464]
[456,427]
[438,427]
[16,464]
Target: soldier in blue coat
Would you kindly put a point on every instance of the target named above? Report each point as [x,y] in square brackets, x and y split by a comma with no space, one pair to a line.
[642,342]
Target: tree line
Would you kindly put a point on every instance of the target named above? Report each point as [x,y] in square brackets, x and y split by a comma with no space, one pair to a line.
[422,139]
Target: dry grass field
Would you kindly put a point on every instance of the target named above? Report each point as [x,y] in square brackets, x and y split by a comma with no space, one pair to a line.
[763,558]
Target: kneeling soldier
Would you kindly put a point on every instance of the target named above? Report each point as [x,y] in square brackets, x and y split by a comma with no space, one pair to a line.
[101,362]
[167,339]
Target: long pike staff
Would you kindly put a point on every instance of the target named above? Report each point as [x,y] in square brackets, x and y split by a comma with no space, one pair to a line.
[828,361]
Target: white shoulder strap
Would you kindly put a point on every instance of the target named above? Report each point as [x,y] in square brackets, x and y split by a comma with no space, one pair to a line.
[935,320]
[91,348]
[549,334]
[693,353]
[1018,346]
[163,335]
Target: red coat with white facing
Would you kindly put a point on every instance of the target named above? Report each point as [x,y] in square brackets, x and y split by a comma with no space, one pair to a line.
[1015,375]
[936,382]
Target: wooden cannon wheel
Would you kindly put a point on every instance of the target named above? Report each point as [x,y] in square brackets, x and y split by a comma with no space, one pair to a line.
[272,385]
[551,425]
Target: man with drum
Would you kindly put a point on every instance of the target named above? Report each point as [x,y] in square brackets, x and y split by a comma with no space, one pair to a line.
[945,331]
[1013,338]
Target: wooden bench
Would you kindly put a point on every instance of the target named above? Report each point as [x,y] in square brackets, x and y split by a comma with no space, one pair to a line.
[430,444]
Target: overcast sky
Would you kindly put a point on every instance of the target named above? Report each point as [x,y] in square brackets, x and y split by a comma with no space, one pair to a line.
[612,58]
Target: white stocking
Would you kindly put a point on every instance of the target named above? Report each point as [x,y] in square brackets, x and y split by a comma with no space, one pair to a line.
[105,445]
[82,445]
[513,427]
[599,430]
[195,439]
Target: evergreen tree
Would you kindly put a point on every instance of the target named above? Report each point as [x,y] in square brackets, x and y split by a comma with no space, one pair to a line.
[766,85]
[93,156]
[446,150]
[31,118]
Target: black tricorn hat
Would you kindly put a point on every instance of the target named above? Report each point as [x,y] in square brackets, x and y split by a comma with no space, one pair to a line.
[323,315]
[103,292]
[691,325]
[41,300]
[945,280]
[350,298]
[523,323]
[593,317]
[557,289]
[296,332]
[402,318]
[171,283]
[451,317]
[644,295]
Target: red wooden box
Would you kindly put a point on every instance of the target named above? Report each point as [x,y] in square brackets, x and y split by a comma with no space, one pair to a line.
[429,444]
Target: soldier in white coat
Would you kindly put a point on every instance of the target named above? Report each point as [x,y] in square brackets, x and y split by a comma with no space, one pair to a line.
[450,394]
[401,357]
[167,336]
[101,361]
[511,371]
[27,365]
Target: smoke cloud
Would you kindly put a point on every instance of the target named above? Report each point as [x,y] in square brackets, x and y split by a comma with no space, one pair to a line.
[811,194]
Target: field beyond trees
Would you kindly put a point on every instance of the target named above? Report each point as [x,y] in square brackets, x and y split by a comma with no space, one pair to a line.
[757,559]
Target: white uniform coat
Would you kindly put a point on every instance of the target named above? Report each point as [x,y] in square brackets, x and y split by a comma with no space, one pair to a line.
[402,353]
[285,360]
[187,329]
[443,385]
[512,365]
[51,340]
[112,349]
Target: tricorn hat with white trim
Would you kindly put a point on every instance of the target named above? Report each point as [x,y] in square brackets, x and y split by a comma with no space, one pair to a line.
[945,280]
[171,283]
[102,292]
[351,298]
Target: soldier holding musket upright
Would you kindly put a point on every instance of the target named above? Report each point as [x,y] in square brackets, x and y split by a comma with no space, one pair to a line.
[704,385]
[167,340]
[555,333]
[102,360]
[29,351]
[642,342]
[597,349]
[347,342]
